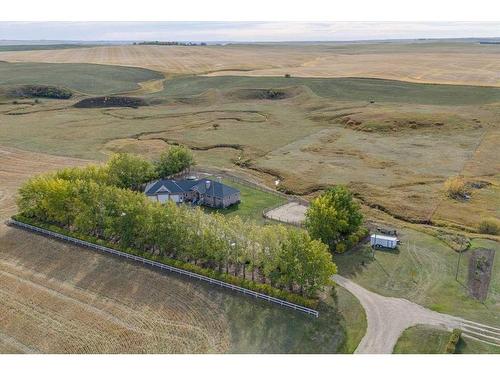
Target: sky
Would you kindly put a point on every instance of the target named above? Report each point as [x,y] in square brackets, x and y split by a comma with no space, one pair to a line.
[243,31]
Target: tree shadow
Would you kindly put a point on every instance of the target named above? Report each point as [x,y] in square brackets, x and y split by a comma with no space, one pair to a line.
[356,260]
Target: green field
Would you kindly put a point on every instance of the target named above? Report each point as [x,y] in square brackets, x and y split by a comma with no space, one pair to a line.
[346,89]
[253,202]
[85,78]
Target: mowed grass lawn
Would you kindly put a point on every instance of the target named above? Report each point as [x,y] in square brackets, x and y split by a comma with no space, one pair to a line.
[253,202]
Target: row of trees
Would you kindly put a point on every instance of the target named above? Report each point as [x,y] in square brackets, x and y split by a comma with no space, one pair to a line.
[127,171]
[97,201]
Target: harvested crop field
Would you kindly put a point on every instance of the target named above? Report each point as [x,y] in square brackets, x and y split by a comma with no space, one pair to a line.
[59,298]
[431,62]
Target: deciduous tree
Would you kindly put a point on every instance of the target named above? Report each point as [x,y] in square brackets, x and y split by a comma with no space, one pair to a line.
[333,216]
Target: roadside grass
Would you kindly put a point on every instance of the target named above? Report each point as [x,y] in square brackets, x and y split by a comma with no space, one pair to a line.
[423,270]
[253,202]
[422,339]
[353,318]
[86,78]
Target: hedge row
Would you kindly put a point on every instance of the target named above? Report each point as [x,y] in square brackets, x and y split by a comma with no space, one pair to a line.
[451,347]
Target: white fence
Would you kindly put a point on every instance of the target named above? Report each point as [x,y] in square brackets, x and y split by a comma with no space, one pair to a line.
[165,267]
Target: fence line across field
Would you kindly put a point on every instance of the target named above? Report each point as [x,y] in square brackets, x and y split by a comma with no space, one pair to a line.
[166,267]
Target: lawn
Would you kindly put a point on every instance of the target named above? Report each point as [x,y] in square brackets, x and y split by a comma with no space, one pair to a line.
[253,202]
[422,339]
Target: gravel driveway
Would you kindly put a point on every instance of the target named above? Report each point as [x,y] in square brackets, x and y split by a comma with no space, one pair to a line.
[388,317]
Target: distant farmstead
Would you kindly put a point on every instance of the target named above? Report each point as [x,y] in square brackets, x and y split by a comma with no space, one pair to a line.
[203,192]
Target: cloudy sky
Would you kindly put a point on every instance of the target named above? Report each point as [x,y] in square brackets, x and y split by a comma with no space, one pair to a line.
[243,31]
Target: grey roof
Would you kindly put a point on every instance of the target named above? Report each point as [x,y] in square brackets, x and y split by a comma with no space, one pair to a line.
[215,189]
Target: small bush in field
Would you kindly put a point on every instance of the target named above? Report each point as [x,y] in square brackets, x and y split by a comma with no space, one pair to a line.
[456,187]
[489,226]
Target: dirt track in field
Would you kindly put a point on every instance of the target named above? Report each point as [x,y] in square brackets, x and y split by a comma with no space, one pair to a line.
[461,64]
[60,299]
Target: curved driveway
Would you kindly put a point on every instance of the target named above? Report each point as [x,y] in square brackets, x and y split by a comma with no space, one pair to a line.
[388,317]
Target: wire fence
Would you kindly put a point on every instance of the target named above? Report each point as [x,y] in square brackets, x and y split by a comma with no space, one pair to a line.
[166,267]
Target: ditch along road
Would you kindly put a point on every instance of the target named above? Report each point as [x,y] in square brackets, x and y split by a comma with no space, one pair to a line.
[388,317]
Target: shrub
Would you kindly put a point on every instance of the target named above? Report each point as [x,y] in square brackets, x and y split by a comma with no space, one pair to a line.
[489,226]
[287,75]
[341,247]
[451,347]
[42,91]
[456,187]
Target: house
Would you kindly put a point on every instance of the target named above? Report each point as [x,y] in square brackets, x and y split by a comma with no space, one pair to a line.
[204,192]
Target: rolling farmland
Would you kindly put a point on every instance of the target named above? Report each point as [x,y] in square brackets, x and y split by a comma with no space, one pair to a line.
[392,121]
[452,63]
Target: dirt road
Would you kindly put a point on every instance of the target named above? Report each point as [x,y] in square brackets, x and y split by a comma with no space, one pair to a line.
[388,317]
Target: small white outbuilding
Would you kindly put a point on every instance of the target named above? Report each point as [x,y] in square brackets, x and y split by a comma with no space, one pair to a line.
[380,240]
